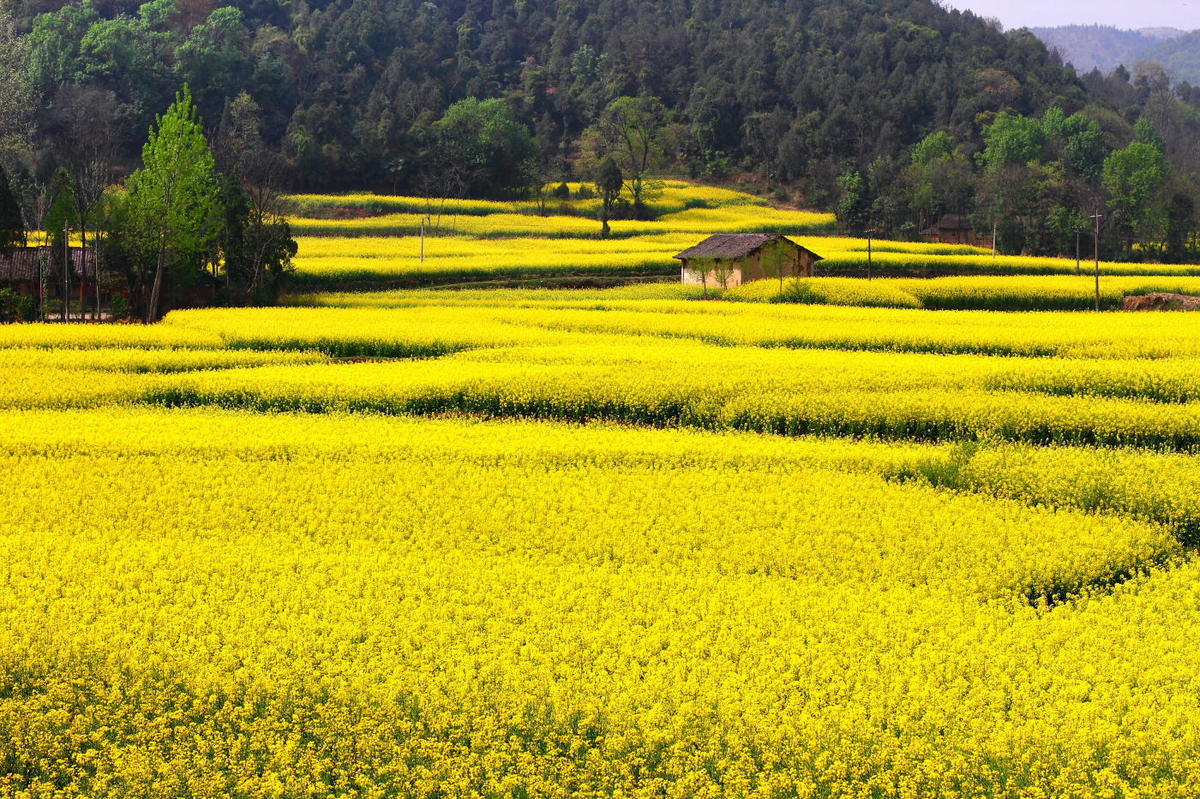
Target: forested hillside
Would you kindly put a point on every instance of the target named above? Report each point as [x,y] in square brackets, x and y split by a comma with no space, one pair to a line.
[896,112]
[1103,47]
[1180,57]
[349,90]
[1088,47]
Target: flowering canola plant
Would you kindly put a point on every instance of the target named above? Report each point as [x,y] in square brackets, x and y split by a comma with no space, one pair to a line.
[358,241]
[528,544]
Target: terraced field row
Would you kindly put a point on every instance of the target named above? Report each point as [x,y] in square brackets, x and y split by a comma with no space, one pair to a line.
[335,575]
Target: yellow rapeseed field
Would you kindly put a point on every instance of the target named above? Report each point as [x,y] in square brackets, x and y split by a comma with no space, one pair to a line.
[815,636]
[600,543]
[362,241]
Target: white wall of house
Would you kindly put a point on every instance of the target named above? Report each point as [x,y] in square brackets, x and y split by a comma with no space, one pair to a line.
[692,277]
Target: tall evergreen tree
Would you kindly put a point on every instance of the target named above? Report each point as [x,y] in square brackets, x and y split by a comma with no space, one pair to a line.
[175,209]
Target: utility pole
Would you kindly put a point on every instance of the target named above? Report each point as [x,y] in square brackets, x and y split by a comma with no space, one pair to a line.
[995,230]
[870,252]
[422,239]
[1078,270]
[66,273]
[1097,216]
[43,260]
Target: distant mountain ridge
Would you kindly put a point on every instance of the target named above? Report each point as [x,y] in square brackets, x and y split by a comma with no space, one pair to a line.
[1101,47]
[1162,33]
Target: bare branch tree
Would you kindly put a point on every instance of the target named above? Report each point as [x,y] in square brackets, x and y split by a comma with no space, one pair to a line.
[82,122]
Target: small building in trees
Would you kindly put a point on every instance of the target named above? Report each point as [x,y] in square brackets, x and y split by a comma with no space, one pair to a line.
[955,229]
[731,259]
[38,272]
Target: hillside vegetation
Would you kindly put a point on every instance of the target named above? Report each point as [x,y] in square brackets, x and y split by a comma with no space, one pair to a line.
[1105,47]
[1088,47]
[894,114]
[350,89]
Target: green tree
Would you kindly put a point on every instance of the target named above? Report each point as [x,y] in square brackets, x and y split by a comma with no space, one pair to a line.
[214,56]
[174,200]
[1083,148]
[60,219]
[1065,225]
[854,203]
[632,131]
[257,242]
[609,182]
[61,212]
[16,96]
[940,179]
[483,148]
[12,223]
[1146,133]
[54,43]
[257,250]
[933,147]
[73,120]
[1133,177]
[116,50]
[1012,140]
[1181,224]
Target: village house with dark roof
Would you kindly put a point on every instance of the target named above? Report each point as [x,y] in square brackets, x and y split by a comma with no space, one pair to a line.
[731,259]
[955,229]
[21,269]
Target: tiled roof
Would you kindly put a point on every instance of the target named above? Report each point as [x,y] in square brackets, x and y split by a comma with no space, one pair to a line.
[727,245]
[735,245]
[24,263]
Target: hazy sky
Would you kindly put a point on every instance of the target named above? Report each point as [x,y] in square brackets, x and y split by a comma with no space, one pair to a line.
[1122,13]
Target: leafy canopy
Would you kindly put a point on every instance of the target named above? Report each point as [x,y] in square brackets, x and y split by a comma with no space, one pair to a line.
[12,224]
[174,205]
[174,199]
[493,153]
[62,212]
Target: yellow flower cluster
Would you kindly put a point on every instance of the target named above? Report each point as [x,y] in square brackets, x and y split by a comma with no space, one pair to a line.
[449,320]
[104,336]
[674,196]
[477,260]
[1090,335]
[586,600]
[478,240]
[983,292]
[825,291]
[475,610]
[1040,293]
[927,265]
[905,396]
[742,218]
[89,374]
[536,297]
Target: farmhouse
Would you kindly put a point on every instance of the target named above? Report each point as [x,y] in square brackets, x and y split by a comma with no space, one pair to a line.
[955,229]
[30,270]
[731,259]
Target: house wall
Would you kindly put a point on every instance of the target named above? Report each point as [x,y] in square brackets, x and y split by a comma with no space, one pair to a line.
[693,270]
[797,263]
[806,264]
[22,287]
